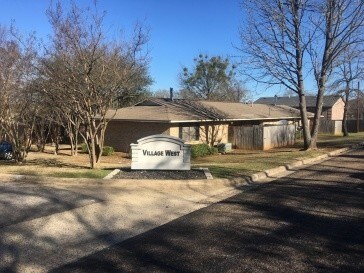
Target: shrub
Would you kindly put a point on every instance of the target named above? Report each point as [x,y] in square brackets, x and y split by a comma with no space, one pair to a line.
[199,150]
[84,148]
[106,151]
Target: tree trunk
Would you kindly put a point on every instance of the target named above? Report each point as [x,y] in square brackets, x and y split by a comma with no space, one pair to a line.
[92,152]
[56,138]
[71,138]
[299,74]
[305,123]
[316,120]
[345,117]
[75,151]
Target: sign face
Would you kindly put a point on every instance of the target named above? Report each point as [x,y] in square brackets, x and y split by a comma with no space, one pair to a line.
[160,152]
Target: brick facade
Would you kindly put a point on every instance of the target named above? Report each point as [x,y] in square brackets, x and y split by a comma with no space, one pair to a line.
[120,134]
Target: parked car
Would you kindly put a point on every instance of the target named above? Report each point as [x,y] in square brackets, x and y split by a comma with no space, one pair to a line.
[6,150]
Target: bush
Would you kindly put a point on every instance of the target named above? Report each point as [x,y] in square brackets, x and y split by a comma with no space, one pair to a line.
[199,150]
[106,151]
[84,148]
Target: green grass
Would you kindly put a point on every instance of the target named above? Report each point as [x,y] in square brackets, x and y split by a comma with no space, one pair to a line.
[242,163]
[82,174]
[332,141]
[235,165]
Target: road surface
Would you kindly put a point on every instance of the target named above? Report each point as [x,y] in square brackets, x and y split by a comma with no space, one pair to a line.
[310,221]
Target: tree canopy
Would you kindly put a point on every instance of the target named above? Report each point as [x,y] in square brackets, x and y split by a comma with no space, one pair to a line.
[211,78]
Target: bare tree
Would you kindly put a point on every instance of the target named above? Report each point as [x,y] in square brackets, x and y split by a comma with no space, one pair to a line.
[273,47]
[340,26]
[281,32]
[89,73]
[18,96]
[350,68]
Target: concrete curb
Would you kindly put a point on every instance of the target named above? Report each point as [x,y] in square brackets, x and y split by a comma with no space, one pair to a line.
[112,174]
[269,173]
[207,173]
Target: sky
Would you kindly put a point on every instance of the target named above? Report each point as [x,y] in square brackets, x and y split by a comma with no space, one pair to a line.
[179,29]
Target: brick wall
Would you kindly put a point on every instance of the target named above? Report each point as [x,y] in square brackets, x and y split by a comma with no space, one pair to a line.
[120,134]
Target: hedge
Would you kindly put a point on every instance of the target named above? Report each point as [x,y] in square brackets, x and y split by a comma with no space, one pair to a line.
[199,150]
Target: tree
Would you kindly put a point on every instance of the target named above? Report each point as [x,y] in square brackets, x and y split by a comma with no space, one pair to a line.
[349,69]
[18,91]
[89,73]
[282,36]
[211,78]
[273,46]
[340,26]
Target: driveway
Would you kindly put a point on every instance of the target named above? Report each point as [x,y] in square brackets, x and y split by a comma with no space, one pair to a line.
[309,221]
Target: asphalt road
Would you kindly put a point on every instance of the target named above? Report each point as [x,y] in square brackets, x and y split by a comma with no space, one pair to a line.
[310,221]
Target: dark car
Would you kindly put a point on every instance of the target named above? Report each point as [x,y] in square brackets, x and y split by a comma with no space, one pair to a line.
[6,150]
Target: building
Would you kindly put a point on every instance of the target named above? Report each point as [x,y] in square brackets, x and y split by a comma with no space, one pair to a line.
[332,107]
[246,126]
[332,110]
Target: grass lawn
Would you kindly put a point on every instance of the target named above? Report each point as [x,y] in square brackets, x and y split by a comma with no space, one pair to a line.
[239,163]
[232,165]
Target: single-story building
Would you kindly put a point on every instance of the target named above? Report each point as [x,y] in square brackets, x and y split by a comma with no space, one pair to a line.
[246,126]
[332,110]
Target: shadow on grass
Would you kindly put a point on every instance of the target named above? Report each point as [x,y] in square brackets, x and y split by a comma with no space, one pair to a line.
[52,162]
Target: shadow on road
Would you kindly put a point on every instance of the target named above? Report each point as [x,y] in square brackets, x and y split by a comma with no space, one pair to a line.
[311,221]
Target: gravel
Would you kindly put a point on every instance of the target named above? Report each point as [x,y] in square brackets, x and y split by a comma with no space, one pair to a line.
[127,173]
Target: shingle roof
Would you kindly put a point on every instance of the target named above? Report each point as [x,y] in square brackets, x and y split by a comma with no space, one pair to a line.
[328,101]
[165,110]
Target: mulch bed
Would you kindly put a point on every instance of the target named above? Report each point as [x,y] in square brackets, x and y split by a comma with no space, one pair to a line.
[127,173]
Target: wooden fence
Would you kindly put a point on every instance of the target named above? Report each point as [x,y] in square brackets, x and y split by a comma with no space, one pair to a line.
[246,137]
[258,137]
[335,126]
[330,127]
[352,126]
[279,136]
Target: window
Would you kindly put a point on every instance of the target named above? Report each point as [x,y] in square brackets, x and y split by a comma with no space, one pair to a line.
[190,133]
